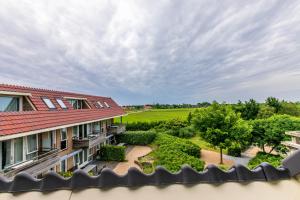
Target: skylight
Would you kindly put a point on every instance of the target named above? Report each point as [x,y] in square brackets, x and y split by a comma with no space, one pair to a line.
[49,103]
[100,104]
[106,104]
[61,103]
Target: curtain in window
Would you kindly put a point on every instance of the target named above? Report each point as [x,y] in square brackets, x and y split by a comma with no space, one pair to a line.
[6,154]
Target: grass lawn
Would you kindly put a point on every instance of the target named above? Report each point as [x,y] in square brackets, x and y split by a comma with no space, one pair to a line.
[204,145]
[156,115]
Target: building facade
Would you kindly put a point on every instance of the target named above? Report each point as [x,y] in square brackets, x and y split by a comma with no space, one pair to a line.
[45,130]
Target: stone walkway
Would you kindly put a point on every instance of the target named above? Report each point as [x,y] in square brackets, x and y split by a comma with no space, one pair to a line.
[132,154]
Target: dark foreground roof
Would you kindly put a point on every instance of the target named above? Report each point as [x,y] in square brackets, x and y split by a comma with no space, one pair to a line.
[135,178]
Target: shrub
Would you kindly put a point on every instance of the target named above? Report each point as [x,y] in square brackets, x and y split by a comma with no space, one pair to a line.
[137,137]
[112,153]
[174,143]
[234,150]
[173,152]
[186,132]
[173,159]
[260,157]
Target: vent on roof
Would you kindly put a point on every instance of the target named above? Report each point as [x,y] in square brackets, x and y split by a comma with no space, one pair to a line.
[61,103]
[49,103]
[106,104]
[99,104]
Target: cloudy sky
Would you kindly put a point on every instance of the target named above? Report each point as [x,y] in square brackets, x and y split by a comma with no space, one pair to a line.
[167,51]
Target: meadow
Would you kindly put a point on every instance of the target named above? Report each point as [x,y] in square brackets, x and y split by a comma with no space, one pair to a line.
[156,115]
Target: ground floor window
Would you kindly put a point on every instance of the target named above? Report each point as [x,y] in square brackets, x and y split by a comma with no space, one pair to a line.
[63,166]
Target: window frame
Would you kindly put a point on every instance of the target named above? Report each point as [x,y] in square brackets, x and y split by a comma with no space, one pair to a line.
[106,104]
[47,100]
[61,103]
[100,104]
[37,145]
[63,140]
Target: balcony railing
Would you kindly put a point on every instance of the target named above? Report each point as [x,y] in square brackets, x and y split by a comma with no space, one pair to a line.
[117,129]
[39,162]
[89,142]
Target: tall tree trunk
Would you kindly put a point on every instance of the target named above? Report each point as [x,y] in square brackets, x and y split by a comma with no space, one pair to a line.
[272,149]
[263,148]
[221,156]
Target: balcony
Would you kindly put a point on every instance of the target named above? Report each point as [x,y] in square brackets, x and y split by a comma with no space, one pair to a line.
[116,129]
[43,162]
[89,142]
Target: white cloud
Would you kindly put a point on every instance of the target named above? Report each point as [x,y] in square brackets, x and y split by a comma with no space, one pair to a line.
[149,51]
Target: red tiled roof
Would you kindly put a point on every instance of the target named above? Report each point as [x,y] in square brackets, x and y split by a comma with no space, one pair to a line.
[44,118]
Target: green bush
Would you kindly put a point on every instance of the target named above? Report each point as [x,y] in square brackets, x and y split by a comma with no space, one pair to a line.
[234,150]
[173,152]
[186,132]
[173,159]
[137,137]
[112,153]
[260,157]
[174,143]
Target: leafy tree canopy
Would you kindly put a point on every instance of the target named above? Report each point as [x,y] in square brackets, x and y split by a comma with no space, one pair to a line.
[221,126]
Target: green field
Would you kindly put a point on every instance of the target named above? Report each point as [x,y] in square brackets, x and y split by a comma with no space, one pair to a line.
[156,115]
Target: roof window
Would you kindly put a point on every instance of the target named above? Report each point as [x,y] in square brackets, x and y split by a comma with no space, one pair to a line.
[100,104]
[49,103]
[106,104]
[61,103]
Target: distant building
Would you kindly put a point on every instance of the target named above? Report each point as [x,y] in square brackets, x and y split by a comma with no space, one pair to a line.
[294,144]
[44,130]
[147,107]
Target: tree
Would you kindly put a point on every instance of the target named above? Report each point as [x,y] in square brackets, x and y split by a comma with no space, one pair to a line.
[265,112]
[271,131]
[189,118]
[221,126]
[289,109]
[273,102]
[248,110]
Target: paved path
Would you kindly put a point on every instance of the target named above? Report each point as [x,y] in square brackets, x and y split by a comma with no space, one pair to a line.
[132,154]
[211,157]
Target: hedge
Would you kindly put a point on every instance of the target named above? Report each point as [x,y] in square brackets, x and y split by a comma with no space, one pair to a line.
[260,157]
[172,152]
[175,143]
[112,153]
[173,159]
[142,126]
[137,137]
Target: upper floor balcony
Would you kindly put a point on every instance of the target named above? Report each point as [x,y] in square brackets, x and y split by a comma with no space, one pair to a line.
[89,142]
[116,129]
[45,160]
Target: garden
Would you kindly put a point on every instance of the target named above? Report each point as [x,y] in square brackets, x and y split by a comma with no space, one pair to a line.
[223,128]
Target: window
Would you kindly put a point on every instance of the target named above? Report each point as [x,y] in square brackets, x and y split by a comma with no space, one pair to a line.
[100,104]
[9,104]
[75,131]
[63,166]
[76,104]
[49,103]
[106,104]
[61,103]
[63,141]
[18,150]
[31,147]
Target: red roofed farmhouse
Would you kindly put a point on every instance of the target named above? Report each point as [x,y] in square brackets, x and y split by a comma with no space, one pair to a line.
[44,130]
